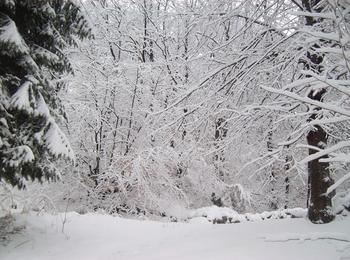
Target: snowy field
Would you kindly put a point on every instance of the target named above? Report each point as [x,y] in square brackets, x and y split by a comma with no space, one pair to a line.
[96,236]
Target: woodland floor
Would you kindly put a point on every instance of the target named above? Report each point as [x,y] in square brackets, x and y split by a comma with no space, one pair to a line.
[96,236]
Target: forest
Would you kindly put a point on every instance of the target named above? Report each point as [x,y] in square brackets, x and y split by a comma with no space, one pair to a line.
[173,111]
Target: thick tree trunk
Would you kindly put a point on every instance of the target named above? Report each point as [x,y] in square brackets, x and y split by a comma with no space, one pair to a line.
[319,205]
[319,179]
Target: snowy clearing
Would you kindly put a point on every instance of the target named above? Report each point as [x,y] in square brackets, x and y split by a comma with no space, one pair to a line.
[96,236]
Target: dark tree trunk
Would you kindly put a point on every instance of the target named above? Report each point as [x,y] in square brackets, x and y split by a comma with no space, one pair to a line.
[319,205]
[220,134]
[273,203]
[287,166]
[319,179]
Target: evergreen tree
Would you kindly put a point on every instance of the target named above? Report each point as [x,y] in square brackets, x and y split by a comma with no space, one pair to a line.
[33,35]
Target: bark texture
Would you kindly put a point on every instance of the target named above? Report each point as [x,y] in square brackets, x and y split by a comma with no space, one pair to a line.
[319,178]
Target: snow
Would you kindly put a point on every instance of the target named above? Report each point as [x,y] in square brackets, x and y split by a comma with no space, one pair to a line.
[326,151]
[10,3]
[21,99]
[307,100]
[320,15]
[10,34]
[213,212]
[311,236]
[42,53]
[4,122]
[96,236]
[338,183]
[42,107]
[334,36]
[57,141]
[49,10]
[20,154]
[222,214]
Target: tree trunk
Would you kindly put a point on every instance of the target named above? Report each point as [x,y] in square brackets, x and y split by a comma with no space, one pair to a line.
[319,205]
[319,179]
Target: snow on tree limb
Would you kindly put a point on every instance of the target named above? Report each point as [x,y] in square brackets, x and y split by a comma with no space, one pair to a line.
[57,142]
[23,98]
[19,155]
[326,151]
[309,101]
[317,15]
[338,182]
[10,35]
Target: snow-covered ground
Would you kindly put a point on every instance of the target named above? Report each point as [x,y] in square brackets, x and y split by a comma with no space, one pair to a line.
[96,236]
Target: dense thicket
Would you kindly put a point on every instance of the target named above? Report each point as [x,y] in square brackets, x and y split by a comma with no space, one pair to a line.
[181,104]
